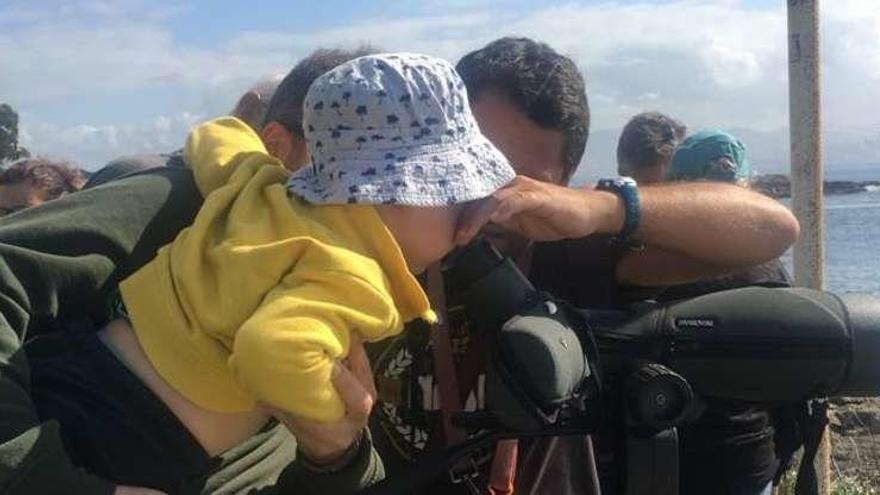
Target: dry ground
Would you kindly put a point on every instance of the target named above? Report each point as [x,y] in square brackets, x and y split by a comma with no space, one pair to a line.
[855,440]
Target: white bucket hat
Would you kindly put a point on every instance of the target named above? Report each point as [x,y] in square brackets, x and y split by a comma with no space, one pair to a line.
[395,129]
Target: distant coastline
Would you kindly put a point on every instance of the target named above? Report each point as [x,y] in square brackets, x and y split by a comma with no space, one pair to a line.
[779,186]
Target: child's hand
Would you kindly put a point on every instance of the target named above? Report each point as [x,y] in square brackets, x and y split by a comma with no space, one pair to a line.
[324,443]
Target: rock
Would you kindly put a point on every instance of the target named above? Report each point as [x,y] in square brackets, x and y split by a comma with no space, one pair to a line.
[779,186]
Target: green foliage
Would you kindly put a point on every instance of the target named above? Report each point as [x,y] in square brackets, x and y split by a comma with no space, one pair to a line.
[852,486]
[845,485]
[786,484]
[9,148]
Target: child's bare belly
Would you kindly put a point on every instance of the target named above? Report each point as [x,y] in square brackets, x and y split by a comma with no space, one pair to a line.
[216,432]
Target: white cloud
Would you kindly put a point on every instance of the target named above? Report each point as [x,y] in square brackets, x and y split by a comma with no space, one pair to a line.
[716,63]
[853,34]
[95,145]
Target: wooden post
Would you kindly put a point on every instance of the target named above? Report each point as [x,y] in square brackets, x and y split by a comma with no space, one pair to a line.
[805,105]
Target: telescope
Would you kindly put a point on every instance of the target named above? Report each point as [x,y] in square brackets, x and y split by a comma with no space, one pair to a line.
[554,369]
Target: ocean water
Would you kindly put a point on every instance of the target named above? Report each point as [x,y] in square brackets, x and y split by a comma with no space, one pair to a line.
[852,243]
[868,172]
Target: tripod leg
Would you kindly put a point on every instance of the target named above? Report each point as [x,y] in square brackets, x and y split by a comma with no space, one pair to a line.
[652,464]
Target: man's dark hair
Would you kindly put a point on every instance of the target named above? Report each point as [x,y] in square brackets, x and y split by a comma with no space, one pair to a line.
[286,104]
[648,140]
[543,84]
[56,178]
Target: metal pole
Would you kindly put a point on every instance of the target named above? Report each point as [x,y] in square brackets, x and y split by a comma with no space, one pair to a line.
[804,85]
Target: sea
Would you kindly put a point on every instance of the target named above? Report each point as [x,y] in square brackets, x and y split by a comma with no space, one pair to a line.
[852,236]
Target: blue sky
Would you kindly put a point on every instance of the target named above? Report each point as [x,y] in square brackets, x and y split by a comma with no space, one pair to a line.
[93,79]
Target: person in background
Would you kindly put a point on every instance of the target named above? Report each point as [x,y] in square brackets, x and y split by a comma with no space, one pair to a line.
[125,165]
[729,449]
[718,156]
[711,155]
[33,181]
[646,145]
[252,106]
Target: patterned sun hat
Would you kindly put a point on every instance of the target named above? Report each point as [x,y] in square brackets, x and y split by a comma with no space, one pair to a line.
[395,129]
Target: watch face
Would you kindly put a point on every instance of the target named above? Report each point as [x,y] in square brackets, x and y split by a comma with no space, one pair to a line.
[626,181]
[616,183]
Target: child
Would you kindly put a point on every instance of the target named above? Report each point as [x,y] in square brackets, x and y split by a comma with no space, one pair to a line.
[263,293]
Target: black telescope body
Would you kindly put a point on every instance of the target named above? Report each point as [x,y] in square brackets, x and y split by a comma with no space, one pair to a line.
[756,344]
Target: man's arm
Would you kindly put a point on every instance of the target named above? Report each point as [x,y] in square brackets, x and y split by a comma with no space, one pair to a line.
[654,267]
[56,262]
[328,461]
[695,229]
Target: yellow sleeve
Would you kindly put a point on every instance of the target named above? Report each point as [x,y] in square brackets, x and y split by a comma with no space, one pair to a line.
[285,352]
[216,149]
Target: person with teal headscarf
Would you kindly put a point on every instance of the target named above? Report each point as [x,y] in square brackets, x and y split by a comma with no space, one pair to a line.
[731,444]
[710,154]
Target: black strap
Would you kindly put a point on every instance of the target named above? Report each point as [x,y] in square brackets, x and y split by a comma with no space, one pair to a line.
[787,437]
[800,425]
[444,362]
[813,420]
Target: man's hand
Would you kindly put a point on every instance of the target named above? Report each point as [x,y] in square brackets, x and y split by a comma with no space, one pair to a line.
[542,211]
[324,443]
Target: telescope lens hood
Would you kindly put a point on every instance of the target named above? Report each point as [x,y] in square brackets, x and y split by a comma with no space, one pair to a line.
[538,368]
[545,357]
[863,376]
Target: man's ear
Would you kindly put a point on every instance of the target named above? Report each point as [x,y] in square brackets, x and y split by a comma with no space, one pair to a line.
[284,145]
[277,140]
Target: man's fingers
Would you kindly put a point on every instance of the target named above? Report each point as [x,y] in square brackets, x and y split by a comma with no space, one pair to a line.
[473,218]
[358,401]
[512,202]
[359,364]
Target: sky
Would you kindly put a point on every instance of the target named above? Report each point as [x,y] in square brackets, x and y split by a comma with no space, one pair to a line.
[96,79]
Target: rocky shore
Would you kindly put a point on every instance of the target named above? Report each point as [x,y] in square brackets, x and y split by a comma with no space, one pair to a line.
[779,186]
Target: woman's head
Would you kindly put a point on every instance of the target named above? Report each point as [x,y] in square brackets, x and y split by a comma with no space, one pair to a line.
[33,181]
[710,155]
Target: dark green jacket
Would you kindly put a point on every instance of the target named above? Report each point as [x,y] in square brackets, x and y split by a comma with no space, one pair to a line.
[58,263]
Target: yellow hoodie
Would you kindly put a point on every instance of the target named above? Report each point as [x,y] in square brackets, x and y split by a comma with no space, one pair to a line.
[260,295]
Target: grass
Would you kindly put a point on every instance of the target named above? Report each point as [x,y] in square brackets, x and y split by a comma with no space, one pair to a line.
[841,486]
[851,486]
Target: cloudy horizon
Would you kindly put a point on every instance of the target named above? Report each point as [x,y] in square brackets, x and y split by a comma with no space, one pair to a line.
[95,79]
